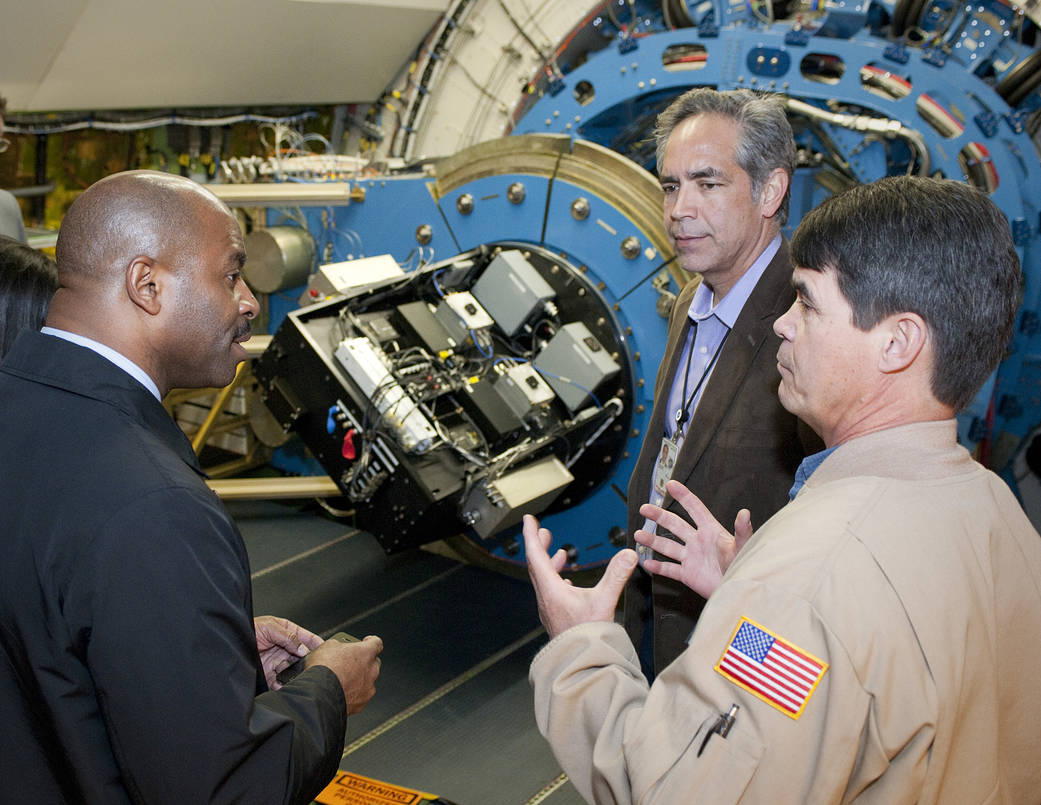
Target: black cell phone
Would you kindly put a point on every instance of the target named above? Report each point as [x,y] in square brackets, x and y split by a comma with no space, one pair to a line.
[290,672]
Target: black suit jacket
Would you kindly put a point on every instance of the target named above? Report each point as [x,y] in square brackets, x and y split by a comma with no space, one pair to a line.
[128,660]
[741,450]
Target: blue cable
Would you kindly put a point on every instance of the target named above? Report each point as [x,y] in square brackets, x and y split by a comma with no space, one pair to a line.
[473,337]
[437,285]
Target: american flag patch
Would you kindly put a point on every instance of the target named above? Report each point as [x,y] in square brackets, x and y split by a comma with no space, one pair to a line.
[781,674]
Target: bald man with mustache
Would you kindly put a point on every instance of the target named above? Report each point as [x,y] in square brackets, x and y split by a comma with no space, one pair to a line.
[132,667]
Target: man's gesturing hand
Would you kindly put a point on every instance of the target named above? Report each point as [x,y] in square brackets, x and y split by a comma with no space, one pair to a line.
[704,549]
[561,605]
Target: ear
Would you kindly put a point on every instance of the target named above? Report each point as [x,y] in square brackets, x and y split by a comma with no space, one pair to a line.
[773,192]
[905,337]
[142,284]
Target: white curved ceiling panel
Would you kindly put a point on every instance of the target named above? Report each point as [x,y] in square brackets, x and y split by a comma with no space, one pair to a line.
[128,54]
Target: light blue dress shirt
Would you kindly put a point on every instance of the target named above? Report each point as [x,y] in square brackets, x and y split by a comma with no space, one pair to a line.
[806,468]
[714,323]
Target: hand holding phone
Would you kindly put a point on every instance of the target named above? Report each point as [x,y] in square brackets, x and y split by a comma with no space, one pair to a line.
[292,671]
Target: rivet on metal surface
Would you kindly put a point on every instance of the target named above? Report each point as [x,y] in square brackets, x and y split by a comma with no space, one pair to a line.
[465,204]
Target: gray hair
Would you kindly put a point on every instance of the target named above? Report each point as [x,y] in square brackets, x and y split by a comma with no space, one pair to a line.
[765,143]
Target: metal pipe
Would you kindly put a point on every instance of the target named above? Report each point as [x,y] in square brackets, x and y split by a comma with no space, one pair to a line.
[864,123]
[33,190]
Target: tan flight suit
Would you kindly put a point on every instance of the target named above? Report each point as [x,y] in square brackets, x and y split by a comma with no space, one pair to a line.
[907,569]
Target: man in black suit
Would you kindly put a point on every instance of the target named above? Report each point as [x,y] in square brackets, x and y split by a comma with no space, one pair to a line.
[131,668]
[725,161]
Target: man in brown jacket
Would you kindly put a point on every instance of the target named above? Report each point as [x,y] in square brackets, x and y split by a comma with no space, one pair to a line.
[725,161]
[877,639]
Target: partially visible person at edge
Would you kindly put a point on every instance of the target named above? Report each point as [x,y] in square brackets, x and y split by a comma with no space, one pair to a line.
[28,280]
[11,224]
[134,669]
[725,162]
[875,641]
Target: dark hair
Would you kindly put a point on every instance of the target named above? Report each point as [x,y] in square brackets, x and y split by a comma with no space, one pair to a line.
[935,247]
[28,280]
[765,143]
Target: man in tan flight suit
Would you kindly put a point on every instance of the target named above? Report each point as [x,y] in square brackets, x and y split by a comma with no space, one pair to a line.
[877,640]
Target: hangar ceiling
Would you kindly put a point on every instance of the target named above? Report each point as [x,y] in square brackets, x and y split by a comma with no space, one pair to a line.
[64,55]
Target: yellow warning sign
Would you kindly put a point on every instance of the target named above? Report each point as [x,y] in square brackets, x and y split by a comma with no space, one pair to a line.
[353,789]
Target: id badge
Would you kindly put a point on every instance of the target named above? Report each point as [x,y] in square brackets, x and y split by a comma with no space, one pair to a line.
[666,462]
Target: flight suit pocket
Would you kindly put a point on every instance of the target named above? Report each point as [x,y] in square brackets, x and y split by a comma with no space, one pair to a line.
[719,776]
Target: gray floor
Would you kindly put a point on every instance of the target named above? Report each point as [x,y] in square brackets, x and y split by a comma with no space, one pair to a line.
[452,714]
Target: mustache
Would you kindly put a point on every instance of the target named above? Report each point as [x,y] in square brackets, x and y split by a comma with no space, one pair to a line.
[243,331]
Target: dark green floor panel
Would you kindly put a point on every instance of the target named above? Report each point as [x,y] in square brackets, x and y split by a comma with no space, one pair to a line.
[272,529]
[439,633]
[477,745]
[453,711]
[348,577]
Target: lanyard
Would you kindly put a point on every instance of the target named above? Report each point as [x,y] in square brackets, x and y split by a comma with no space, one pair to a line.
[683,414]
